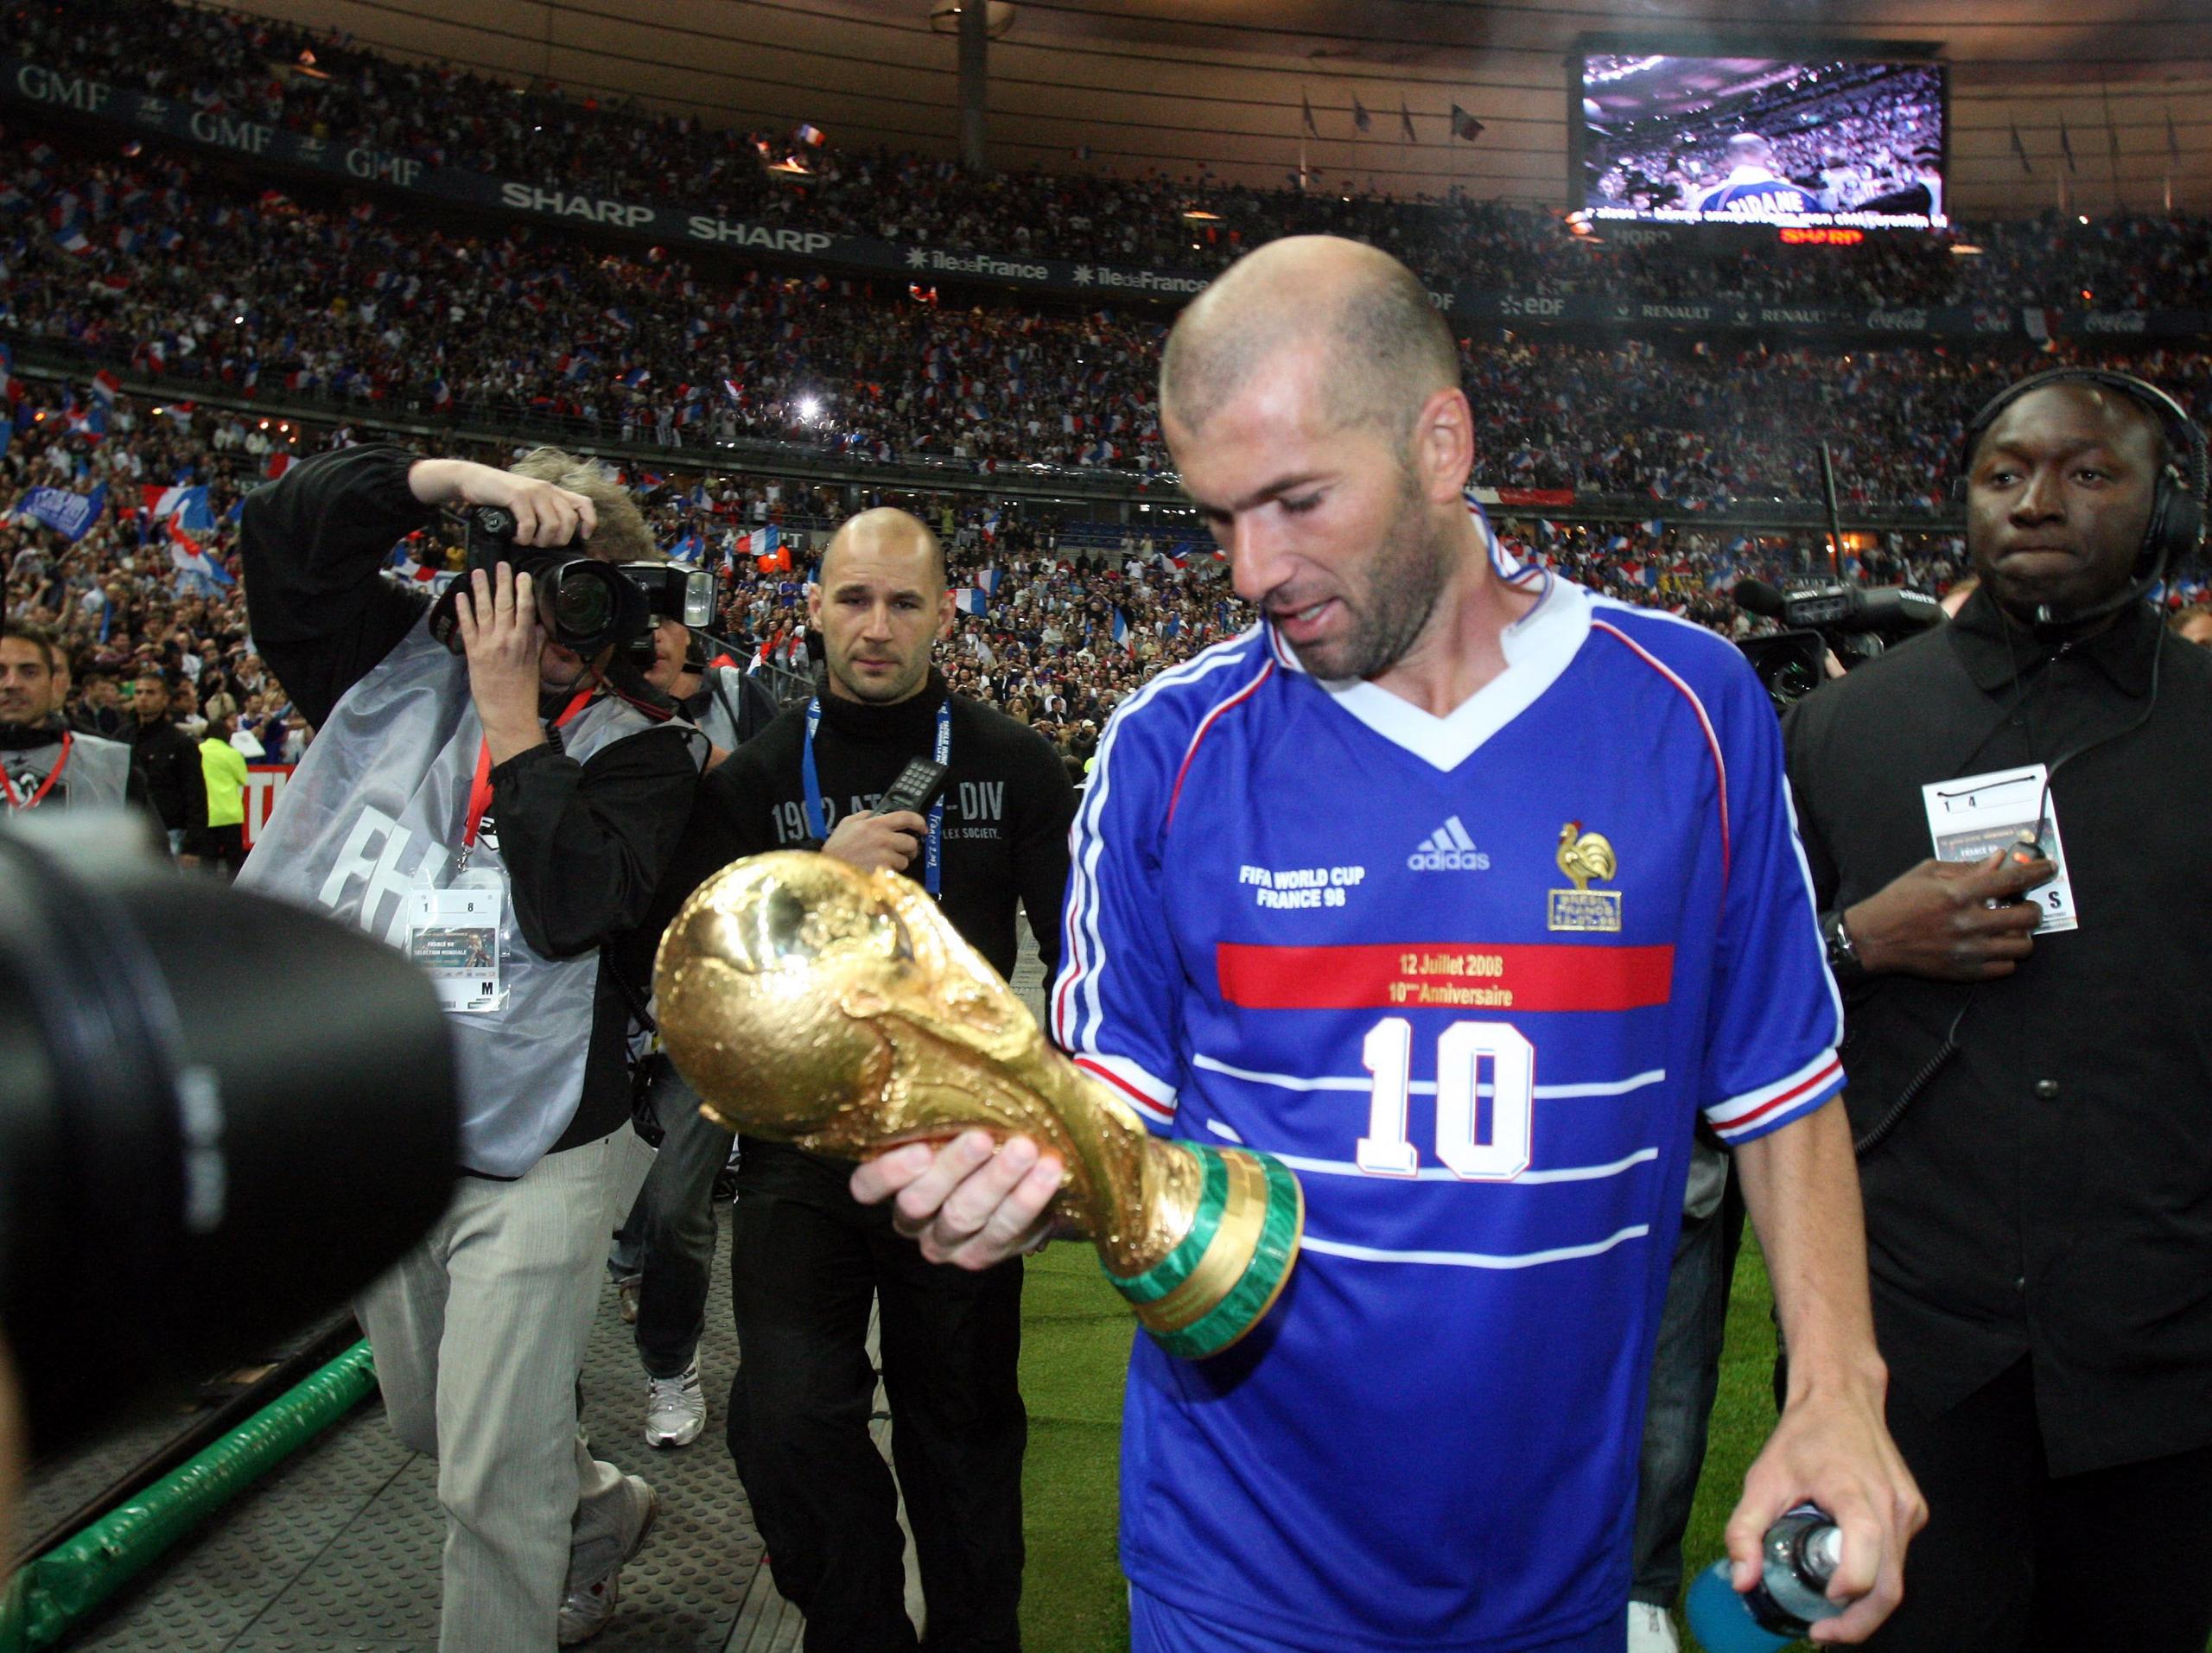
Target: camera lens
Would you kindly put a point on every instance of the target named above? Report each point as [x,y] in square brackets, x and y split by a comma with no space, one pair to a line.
[582,603]
[586,604]
[179,1174]
[1790,683]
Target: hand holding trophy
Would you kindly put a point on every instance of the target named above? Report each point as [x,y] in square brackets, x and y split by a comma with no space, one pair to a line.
[814,1003]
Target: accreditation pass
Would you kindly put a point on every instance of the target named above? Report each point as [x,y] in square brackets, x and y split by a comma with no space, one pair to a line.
[1974,817]
[454,935]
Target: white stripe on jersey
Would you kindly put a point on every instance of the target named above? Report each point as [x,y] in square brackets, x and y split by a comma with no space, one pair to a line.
[1424,1087]
[1081,925]
[1142,1091]
[1444,1174]
[1705,722]
[1812,901]
[1815,1075]
[1472,1259]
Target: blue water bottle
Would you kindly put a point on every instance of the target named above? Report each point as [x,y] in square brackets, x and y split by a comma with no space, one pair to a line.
[1801,1554]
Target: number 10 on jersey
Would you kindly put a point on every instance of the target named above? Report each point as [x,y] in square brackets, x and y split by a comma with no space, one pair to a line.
[1499,1155]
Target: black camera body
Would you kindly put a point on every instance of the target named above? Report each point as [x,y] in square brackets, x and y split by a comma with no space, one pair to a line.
[1855,623]
[584,603]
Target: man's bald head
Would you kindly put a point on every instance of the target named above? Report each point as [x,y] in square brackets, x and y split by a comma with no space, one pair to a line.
[890,531]
[1386,349]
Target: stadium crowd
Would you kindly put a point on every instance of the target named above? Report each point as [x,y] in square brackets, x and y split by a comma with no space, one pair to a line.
[159,267]
[1069,618]
[320,83]
[1849,145]
[151,583]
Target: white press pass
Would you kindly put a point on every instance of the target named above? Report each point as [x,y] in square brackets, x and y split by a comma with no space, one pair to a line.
[454,934]
[1974,817]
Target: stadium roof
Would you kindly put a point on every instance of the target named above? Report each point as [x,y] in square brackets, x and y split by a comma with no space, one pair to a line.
[1178,85]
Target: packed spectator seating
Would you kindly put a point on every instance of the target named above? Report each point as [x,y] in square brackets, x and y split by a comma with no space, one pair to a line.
[128,592]
[158,265]
[1075,616]
[262,294]
[253,67]
[180,273]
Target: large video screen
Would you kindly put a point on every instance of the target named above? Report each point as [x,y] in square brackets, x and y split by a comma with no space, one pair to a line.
[1731,140]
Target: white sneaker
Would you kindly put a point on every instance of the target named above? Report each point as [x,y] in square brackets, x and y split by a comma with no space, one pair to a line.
[675,1408]
[1650,1629]
[589,1608]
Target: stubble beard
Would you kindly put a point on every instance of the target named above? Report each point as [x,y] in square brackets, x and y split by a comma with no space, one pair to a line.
[1403,582]
[906,686]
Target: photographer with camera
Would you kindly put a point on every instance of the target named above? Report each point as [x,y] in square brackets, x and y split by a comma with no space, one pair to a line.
[44,762]
[495,789]
[2002,820]
[728,706]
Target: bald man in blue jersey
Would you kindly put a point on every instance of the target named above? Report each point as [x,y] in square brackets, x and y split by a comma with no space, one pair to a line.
[1464,893]
[1753,188]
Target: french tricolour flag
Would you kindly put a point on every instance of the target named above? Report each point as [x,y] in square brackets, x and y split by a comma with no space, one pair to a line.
[176,498]
[189,558]
[970,601]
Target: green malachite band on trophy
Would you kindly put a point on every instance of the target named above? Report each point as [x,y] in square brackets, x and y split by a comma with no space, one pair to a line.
[1174,1268]
[1255,1289]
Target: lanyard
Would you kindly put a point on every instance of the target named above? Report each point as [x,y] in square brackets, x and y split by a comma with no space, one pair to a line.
[817,822]
[18,804]
[479,789]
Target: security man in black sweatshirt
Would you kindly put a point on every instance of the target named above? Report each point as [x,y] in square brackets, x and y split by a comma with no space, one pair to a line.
[806,1259]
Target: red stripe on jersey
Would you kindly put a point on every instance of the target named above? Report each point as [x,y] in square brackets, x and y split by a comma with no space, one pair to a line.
[1712,740]
[1156,1109]
[1191,751]
[1458,975]
[1826,1076]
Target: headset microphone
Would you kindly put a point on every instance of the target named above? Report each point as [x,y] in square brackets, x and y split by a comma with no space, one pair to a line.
[2051,628]
[2176,527]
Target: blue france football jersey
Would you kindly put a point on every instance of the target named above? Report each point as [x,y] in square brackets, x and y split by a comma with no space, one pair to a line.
[1767,198]
[1473,978]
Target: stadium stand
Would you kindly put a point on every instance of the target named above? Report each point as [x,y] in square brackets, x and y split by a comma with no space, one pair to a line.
[447,117]
[266,295]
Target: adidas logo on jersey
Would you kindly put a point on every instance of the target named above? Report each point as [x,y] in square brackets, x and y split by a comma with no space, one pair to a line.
[1448,850]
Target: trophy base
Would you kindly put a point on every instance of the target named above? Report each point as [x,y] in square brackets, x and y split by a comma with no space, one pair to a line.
[1228,1270]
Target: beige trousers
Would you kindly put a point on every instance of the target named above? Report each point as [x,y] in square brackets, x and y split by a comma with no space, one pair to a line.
[479,1333]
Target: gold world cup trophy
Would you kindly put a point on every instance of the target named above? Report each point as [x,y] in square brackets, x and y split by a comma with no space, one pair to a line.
[814,1003]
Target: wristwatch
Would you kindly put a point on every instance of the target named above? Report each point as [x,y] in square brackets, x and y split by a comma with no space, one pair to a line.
[1843,957]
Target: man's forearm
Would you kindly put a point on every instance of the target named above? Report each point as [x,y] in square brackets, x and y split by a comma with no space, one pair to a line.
[437,482]
[1800,1185]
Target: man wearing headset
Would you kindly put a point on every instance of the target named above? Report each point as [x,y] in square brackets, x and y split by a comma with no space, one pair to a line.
[2004,820]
